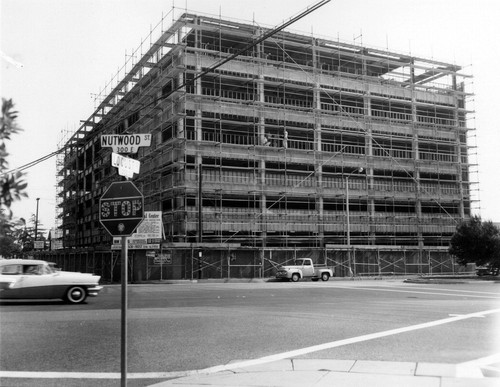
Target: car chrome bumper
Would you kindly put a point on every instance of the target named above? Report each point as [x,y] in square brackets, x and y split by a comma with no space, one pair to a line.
[94,291]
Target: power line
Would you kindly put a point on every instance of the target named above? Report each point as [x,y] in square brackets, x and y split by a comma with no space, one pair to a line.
[32,163]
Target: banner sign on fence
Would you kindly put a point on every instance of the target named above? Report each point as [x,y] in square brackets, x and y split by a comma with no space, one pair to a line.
[137,244]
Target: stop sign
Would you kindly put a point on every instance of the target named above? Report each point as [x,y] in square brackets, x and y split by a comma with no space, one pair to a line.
[121,208]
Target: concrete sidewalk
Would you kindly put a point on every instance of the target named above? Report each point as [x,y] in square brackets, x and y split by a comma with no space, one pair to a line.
[344,373]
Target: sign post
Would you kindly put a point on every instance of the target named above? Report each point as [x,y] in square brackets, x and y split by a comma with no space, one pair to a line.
[121,211]
[123,319]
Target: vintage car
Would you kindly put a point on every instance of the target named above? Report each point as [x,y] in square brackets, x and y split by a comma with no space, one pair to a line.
[35,279]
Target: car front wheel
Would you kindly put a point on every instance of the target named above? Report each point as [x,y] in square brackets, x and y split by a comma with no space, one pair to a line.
[325,277]
[76,295]
[295,277]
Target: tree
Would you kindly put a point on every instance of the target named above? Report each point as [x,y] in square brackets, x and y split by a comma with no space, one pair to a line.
[476,242]
[13,240]
[9,248]
[12,185]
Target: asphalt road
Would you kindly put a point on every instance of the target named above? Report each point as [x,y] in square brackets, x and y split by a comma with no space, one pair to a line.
[181,327]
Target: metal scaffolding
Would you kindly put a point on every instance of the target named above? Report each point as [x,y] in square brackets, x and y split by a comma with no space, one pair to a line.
[261,150]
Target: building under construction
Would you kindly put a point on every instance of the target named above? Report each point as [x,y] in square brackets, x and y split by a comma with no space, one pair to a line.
[261,151]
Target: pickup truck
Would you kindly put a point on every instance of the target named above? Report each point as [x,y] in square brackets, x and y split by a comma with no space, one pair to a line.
[304,268]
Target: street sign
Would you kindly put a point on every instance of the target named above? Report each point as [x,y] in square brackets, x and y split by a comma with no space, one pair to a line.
[125,143]
[121,208]
[126,166]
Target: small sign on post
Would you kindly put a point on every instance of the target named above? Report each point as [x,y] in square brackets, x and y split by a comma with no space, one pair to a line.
[38,245]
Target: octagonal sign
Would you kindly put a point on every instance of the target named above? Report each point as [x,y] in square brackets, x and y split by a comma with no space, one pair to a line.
[121,208]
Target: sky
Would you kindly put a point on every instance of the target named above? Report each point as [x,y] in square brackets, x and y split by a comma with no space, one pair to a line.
[58,54]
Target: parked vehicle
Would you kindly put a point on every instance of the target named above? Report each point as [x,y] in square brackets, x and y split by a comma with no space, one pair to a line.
[487,270]
[35,279]
[304,268]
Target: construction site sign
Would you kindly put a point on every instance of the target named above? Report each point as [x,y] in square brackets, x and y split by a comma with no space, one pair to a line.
[151,227]
[125,143]
[148,234]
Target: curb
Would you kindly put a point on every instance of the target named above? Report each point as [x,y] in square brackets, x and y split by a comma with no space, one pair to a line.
[438,279]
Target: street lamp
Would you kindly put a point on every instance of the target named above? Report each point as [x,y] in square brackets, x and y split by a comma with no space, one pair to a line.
[36,218]
[358,170]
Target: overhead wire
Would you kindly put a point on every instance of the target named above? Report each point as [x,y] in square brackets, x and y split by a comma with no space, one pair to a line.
[31,163]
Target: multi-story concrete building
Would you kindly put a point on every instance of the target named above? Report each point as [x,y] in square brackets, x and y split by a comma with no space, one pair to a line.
[299,143]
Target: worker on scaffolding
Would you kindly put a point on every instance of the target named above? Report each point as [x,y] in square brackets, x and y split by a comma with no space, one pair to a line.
[265,140]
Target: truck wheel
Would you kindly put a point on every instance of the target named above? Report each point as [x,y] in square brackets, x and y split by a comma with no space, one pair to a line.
[295,277]
[325,277]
